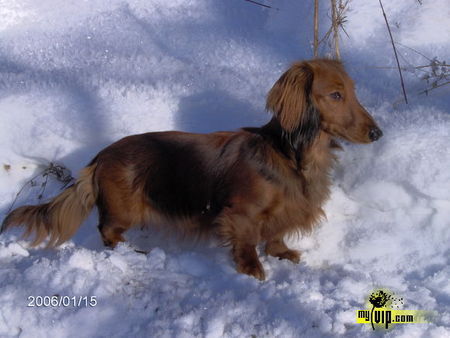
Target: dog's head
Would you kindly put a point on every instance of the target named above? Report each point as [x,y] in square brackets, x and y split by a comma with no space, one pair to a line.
[319,95]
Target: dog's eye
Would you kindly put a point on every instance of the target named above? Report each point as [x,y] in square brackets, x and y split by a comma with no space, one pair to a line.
[336,96]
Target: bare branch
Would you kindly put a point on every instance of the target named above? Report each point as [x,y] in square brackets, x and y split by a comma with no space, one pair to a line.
[338,19]
[316,28]
[335,25]
[434,87]
[261,4]
[412,49]
[408,68]
[395,52]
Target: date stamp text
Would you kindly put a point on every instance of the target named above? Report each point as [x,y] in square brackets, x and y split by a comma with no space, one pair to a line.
[62,301]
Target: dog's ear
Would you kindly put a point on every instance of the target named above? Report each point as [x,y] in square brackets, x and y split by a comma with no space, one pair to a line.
[289,97]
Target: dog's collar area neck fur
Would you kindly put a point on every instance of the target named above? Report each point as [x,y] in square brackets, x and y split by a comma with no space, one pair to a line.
[293,144]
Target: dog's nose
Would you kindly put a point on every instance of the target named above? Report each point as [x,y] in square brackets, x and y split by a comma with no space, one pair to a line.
[375,133]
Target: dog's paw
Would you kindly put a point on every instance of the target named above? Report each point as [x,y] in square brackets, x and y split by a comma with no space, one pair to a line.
[292,255]
[254,269]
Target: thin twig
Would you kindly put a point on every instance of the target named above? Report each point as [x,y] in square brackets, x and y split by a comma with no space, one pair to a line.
[395,52]
[43,186]
[326,36]
[316,28]
[335,25]
[21,189]
[412,49]
[426,66]
[261,4]
[408,68]
[434,87]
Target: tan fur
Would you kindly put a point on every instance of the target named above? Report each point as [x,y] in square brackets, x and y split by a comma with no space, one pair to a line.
[59,219]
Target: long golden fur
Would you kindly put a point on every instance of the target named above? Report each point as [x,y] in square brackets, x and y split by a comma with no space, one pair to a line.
[249,186]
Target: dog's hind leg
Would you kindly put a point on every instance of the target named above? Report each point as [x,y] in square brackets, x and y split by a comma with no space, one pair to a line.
[111,226]
[119,207]
[111,233]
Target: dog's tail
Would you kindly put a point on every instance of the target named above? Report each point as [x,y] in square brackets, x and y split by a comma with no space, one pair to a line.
[60,218]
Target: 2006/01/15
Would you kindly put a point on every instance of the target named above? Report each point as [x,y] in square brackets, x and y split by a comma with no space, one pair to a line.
[61,301]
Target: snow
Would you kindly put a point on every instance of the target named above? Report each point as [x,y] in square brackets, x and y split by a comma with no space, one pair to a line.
[76,76]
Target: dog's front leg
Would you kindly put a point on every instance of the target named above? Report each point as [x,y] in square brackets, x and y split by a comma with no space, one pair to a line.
[247,260]
[277,248]
[237,229]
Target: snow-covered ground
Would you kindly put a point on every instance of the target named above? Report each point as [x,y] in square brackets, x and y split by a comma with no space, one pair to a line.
[78,75]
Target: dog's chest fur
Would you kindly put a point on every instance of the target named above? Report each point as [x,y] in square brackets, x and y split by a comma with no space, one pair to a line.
[299,200]
[318,162]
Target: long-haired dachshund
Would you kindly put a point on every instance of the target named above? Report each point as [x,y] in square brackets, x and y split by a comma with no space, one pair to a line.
[248,186]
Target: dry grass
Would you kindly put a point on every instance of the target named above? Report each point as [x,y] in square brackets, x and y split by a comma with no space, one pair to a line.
[57,171]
